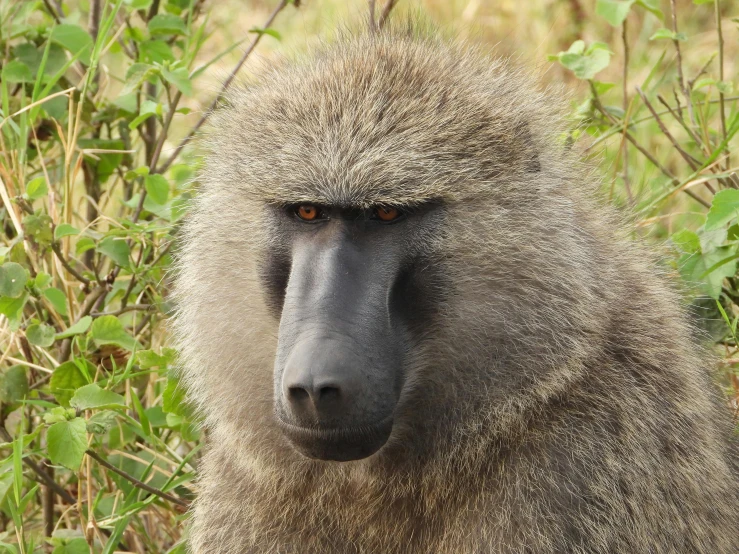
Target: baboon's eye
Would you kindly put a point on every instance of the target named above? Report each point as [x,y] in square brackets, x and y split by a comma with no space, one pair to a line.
[308,212]
[387,214]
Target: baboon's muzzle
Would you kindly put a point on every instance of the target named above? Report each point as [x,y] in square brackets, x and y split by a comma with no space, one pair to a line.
[338,370]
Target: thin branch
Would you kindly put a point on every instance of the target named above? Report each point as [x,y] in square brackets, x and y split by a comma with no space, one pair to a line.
[58,251]
[136,482]
[226,84]
[722,109]
[372,24]
[131,308]
[681,76]
[53,11]
[624,144]
[640,148]
[389,5]
[677,114]
[691,161]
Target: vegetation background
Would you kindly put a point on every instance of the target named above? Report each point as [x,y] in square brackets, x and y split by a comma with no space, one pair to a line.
[98,102]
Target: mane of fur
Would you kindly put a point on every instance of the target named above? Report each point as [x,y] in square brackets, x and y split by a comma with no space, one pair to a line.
[556,404]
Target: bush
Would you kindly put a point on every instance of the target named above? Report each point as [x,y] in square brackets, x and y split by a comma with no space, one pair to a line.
[99,448]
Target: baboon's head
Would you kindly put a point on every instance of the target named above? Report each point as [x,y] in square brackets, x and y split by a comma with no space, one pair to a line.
[379,234]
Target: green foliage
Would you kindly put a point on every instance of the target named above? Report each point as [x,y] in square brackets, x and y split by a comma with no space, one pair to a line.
[96,171]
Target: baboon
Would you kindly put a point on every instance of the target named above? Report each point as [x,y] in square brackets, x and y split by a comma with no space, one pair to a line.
[412,327]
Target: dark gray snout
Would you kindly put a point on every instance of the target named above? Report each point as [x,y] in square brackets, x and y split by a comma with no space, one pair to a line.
[338,370]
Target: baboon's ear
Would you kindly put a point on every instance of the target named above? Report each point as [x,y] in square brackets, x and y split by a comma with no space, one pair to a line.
[528,146]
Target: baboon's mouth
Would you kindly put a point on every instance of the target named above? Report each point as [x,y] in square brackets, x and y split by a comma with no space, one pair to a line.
[338,444]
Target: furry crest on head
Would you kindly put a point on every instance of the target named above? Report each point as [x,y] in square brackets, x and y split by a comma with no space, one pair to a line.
[554,402]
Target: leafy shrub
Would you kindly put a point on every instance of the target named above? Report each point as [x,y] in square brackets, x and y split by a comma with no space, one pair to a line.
[99,448]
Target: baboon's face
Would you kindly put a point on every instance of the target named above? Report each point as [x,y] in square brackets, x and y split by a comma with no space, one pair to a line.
[353,293]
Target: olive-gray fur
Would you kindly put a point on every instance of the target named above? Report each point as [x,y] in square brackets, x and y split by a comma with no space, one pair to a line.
[557,402]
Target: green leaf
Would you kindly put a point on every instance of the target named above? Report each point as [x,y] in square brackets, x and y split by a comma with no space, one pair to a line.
[180,78]
[155,51]
[83,245]
[37,188]
[13,384]
[137,74]
[42,280]
[80,327]
[651,6]
[65,230]
[699,2]
[613,11]
[668,34]
[109,330]
[73,38]
[101,422]
[12,308]
[724,208]
[74,546]
[92,396]
[38,228]
[266,31]
[173,399]
[16,71]
[157,188]
[148,358]
[167,24]
[12,279]
[116,249]
[40,334]
[58,413]
[66,379]
[585,63]
[138,4]
[57,299]
[67,442]
[708,270]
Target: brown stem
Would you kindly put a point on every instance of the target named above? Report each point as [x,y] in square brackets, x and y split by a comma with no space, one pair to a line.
[691,161]
[624,144]
[226,84]
[58,251]
[136,482]
[131,308]
[389,5]
[640,148]
[53,11]
[48,506]
[681,75]
[372,24]
[722,109]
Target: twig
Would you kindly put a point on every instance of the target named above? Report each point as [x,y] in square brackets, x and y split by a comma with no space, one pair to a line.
[52,11]
[81,278]
[48,506]
[389,5]
[131,308]
[624,144]
[226,84]
[722,109]
[136,482]
[640,148]
[692,162]
[681,76]
[372,24]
